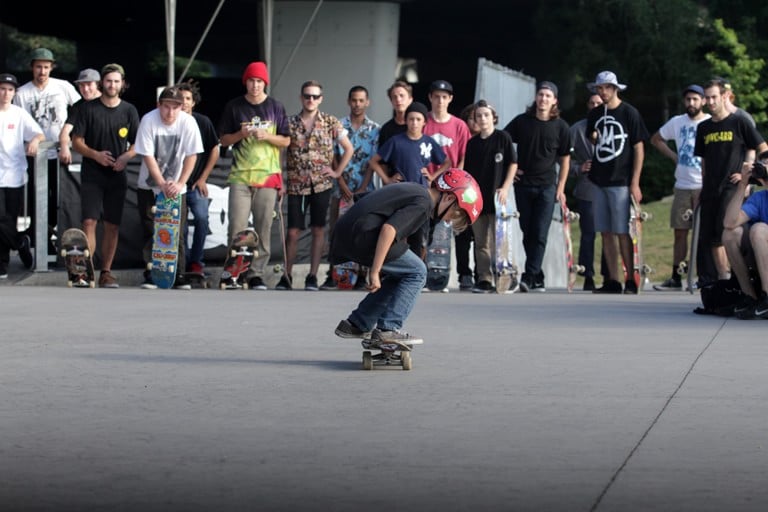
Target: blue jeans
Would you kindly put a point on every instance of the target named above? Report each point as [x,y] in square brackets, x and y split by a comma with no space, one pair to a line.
[535,204]
[402,280]
[197,204]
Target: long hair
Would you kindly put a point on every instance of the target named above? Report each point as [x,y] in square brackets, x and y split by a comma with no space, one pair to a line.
[554,112]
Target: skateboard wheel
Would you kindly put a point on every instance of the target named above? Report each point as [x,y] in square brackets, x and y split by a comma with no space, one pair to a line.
[171,268]
[175,212]
[233,253]
[245,285]
[87,253]
[405,357]
[222,286]
[645,216]
[149,266]
[277,269]
[92,284]
[153,210]
[63,253]
[69,284]
[367,360]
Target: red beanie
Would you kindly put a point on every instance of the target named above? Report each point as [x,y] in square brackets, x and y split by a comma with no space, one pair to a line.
[256,70]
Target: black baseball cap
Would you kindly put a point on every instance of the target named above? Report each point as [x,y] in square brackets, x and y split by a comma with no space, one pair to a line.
[441,85]
[7,78]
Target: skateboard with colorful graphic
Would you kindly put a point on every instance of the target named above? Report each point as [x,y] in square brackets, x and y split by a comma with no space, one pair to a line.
[573,268]
[439,257]
[240,255]
[640,270]
[506,268]
[345,274]
[390,353]
[77,259]
[165,240]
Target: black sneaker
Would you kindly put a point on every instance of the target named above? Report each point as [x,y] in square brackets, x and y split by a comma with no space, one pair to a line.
[538,287]
[761,307]
[347,329]
[526,283]
[329,284]
[284,283]
[466,282]
[745,309]
[25,254]
[310,283]
[3,271]
[147,284]
[630,287]
[670,285]
[483,287]
[182,283]
[256,283]
[609,286]
[589,284]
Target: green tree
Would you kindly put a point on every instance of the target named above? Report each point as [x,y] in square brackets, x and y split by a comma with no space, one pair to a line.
[731,59]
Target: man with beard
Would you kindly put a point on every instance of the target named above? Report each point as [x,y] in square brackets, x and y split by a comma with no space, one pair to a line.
[682,130]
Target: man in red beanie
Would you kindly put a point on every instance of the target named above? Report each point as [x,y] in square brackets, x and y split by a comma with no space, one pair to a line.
[256,127]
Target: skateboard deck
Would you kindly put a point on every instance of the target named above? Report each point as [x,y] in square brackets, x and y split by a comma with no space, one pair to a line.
[165,240]
[573,268]
[439,257]
[692,262]
[345,274]
[240,255]
[389,354]
[77,259]
[506,270]
[640,270]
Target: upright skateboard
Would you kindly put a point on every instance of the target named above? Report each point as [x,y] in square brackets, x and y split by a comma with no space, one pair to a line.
[573,268]
[165,240]
[506,269]
[640,270]
[693,267]
[439,257]
[240,255]
[77,259]
[345,274]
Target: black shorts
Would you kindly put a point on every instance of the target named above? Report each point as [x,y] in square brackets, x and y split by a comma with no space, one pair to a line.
[712,216]
[317,204]
[103,192]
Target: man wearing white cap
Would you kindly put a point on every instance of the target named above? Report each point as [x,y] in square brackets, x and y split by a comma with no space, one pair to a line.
[619,133]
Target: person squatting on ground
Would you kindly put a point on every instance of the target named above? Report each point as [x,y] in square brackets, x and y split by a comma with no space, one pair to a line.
[745,237]
[256,127]
[374,233]
[104,134]
[197,184]
[543,142]
[619,133]
[168,141]
[20,136]
[492,160]
[682,130]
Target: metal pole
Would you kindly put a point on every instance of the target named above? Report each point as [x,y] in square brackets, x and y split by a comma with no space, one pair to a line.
[200,42]
[41,206]
[170,38]
[298,43]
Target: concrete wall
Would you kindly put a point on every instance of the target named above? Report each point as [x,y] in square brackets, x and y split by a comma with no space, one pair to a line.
[348,43]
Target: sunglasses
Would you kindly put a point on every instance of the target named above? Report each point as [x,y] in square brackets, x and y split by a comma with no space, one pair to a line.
[311,96]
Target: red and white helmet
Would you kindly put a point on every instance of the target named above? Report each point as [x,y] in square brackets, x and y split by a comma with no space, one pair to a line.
[465,188]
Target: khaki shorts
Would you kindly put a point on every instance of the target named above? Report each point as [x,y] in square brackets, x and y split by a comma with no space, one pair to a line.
[683,201]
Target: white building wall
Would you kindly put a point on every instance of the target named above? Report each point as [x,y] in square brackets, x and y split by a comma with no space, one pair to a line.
[348,43]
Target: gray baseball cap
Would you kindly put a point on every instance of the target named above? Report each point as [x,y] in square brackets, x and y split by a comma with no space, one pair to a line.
[88,75]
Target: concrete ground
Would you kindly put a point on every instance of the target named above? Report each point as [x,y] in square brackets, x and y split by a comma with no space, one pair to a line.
[209,400]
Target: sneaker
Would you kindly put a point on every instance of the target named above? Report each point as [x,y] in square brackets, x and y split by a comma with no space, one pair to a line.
[538,287]
[482,287]
[526,283]
[25,253]
[329,284]
[256,283]
[107,280]
[589,284]
[745,309]
[670,285]
[196,268]
[284,283]
[402,338]
[3,271]
[466,283]
[761,307]
[630,287]
[347,329]
[310,283]
[609,286]
[182,283]
[148,284]
[514,285]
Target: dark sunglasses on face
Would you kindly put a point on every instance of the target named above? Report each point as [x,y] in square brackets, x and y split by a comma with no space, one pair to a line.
[311,96]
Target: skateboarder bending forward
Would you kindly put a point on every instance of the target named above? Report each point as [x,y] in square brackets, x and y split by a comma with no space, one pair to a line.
[373,233]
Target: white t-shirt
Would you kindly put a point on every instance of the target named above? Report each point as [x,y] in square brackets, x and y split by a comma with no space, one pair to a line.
[682,129]
[48,106]
[16,128]
[169,144]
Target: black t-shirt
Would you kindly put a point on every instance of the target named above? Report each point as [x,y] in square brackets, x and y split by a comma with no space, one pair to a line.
[618,131]
[539,145]
[390,129]
[210,141]
[105,128]
[723,146]
[488,160]
[404,206]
